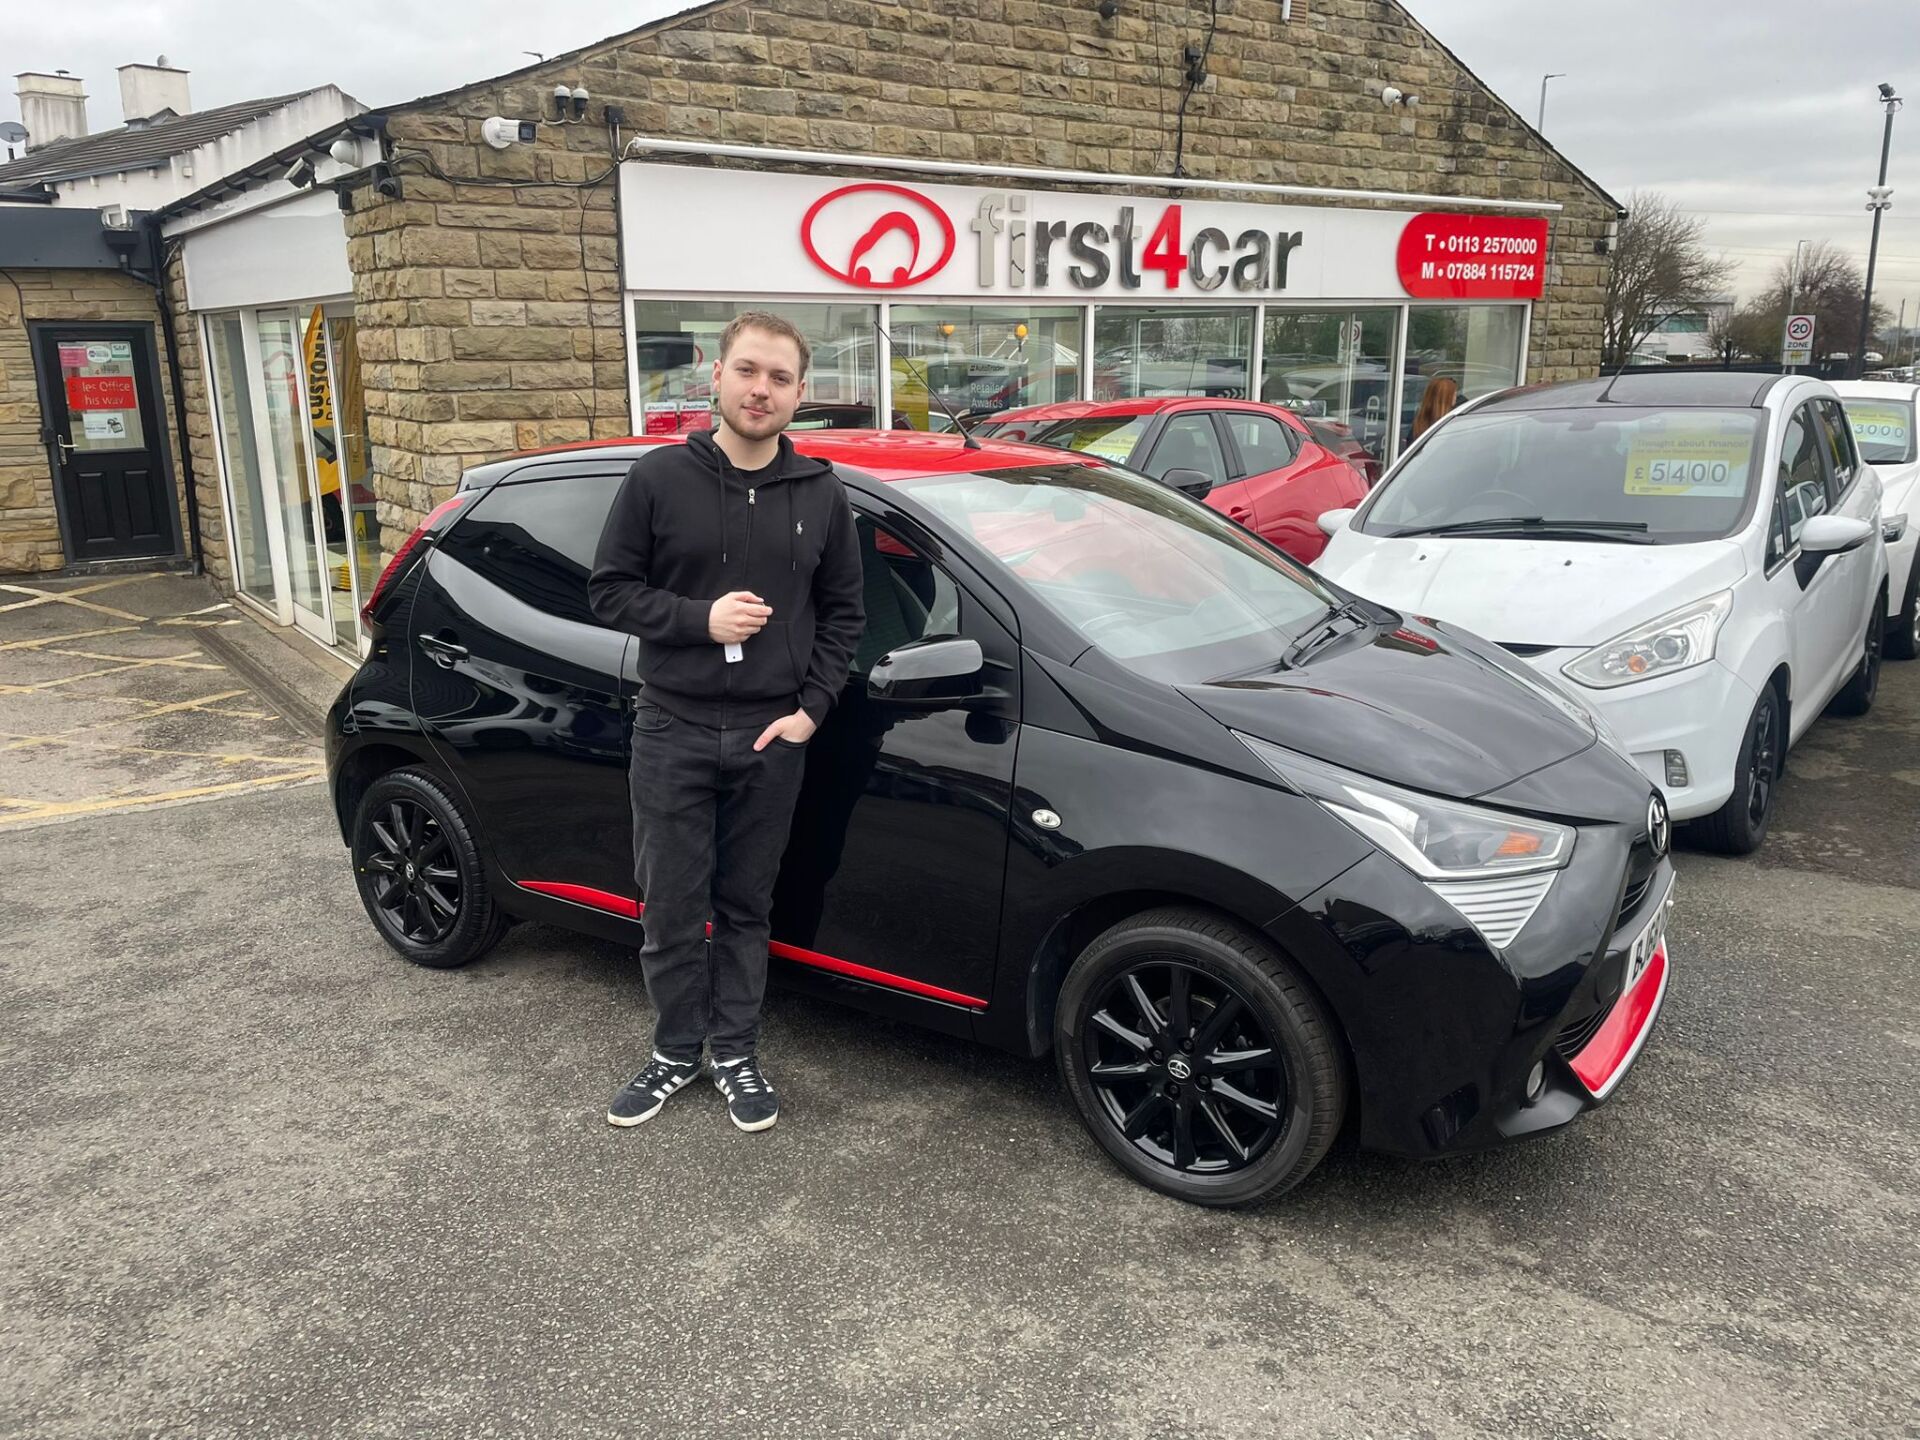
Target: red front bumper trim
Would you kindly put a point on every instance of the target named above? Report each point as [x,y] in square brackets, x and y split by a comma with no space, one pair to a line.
[1615,1045]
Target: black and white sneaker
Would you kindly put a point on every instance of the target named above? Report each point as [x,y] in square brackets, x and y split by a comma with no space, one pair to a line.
[642,1097]
[751,1102]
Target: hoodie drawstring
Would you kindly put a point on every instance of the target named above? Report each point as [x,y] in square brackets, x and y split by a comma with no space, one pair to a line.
[792,564]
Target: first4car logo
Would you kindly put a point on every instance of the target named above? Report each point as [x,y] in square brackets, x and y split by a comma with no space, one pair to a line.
[889,237]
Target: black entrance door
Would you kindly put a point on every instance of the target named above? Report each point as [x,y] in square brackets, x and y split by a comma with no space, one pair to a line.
[100,406]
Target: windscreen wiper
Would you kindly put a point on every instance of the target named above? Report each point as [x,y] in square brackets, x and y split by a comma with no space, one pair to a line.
[1629,531]
[1343,619]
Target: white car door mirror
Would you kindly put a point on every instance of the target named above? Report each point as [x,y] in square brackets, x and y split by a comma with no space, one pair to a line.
[1833,534]
[1332,522]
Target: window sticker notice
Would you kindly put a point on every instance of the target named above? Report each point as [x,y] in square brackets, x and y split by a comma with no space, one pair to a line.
[1689,462]
[1888,425]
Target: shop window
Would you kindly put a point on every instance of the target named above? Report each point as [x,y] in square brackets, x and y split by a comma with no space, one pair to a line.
[981,359]
[1145,350]
[1474,349]
[1332,365]
[677,341]
[233,402]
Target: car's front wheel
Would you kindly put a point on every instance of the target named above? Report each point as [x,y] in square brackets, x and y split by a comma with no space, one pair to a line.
[1903,631]
[419,872]
[1199,1059]
[1738,827]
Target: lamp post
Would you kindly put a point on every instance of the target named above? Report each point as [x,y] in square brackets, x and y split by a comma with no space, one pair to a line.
[1879,201]
[1541,124]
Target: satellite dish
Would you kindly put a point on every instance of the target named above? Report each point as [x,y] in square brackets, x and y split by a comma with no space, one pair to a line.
[12,132]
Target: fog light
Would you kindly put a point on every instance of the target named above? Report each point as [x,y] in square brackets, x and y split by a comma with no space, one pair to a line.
[1536,1081]
[1676,770]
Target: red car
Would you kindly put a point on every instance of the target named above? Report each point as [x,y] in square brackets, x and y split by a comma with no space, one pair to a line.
[1257,464]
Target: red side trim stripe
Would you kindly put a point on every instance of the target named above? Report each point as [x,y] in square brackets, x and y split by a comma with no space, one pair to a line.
[633,909]
[1612,1046]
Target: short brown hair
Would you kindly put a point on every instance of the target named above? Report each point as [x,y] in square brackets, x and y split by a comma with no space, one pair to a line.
[774,325]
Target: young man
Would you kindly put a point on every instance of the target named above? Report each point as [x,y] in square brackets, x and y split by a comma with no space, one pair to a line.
[734,561]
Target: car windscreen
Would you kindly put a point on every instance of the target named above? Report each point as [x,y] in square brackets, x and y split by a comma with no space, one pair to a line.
[1157,581]
[1883,429]
[1667,475]
[1109,437]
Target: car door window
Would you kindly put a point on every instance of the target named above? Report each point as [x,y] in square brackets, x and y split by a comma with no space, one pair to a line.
[1189,442]
[1263,442]
[1803,472]
[536,540]
[1844,463]
[907,596]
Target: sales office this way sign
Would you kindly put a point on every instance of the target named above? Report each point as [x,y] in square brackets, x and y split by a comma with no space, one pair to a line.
[740,233]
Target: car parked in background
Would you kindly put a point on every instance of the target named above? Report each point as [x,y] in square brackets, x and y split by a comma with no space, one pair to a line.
[1259,465]
[1698,555]
[1883,415]
[1256,860]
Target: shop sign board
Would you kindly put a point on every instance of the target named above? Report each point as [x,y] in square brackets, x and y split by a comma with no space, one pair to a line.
[742,233]
[100,392]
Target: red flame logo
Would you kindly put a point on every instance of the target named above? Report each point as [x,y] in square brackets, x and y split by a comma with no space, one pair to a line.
[910,228]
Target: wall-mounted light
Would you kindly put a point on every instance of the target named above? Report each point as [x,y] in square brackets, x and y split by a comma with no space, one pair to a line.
[1109,9]
[580,98]
[1392,95]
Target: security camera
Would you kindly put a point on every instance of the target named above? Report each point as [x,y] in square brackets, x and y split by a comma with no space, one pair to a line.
[1391,96]
[1109,9]
[346,152]
[1886,91]
[300,173]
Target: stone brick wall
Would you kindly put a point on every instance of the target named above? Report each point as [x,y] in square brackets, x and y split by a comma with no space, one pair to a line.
[199,416]
[29,527]
[489,296]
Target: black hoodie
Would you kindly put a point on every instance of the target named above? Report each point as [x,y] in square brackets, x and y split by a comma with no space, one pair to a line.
[686,528]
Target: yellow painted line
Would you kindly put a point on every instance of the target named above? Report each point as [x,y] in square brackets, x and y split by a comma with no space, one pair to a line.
[19,741]
[198,624]
[86,807]
[179,661]
[70,597]
[120,669]
[61,639]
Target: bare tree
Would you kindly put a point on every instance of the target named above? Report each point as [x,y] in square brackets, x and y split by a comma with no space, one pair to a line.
[1661,269]
[1829,287]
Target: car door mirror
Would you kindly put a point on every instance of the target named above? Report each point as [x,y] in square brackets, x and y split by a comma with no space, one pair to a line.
[928,671]
[1833,534]
[1332,522]
[1196,483]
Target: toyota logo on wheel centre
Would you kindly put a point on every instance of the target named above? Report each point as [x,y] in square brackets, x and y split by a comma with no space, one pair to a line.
[877,236]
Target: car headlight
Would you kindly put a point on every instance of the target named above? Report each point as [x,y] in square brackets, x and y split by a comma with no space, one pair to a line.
[1435,839]
[1678,640]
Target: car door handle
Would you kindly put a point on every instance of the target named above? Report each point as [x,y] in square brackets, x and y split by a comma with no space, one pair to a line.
[443,652]
[1239,514]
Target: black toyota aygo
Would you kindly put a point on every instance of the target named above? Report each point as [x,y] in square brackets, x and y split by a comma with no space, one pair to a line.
[1111,777]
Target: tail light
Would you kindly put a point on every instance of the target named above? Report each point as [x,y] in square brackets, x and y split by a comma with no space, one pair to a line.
[426,527]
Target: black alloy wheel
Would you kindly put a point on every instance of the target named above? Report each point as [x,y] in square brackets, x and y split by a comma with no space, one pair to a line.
[1738,826]
[1903,631]
[1199,1059]
[1857,695]
[1184,1068]
[419,872]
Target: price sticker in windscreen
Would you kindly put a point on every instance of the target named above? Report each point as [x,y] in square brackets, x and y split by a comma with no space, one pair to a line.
[1689,462]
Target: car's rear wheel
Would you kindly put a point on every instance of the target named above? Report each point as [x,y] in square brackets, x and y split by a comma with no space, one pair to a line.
[419,872]
[1199,1059]
[1903,631]
[1856,696]
[1738,827]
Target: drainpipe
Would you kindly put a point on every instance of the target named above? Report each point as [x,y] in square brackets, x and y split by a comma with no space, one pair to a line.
[156,263]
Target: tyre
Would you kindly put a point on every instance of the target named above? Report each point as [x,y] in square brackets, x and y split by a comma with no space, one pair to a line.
[420,874]
[1856,696]
[1738,827]
[1903,631]
[1199,1059]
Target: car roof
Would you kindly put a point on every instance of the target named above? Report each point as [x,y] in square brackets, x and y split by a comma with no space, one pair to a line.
[1877,389]
[883,454]
[1675,388]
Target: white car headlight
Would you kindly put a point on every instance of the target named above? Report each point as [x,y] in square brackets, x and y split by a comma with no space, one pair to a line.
[1677,640]
[1435,839]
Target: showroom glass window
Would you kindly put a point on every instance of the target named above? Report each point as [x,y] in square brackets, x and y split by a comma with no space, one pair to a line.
[1477,347]
[982,359]
[233,397]
[677,341]
[1332,365]
[1154,350]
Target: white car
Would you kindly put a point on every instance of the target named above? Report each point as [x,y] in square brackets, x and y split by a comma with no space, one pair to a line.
[1697,556]
[1883,416]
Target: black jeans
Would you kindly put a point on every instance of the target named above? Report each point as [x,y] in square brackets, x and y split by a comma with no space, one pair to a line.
[710,820]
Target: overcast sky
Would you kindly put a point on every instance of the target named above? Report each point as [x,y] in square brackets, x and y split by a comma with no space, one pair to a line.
[1758,114]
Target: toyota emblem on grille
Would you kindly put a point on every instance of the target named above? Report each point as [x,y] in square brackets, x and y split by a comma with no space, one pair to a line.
[1659,826]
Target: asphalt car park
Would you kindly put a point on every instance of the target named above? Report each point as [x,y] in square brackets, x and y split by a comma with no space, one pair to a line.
[264,1177]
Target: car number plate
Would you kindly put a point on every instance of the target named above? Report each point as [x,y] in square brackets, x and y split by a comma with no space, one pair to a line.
[1647,943]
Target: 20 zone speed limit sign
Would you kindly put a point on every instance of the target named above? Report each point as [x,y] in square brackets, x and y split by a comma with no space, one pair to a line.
[1798,347]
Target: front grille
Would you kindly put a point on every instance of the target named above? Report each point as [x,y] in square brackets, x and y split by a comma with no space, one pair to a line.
[1575,1038]
[1641,868]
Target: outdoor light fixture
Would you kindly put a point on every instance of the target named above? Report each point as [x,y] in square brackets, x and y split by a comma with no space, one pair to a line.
[580,98]
[1393,95]
[562,101]
[1109,9]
